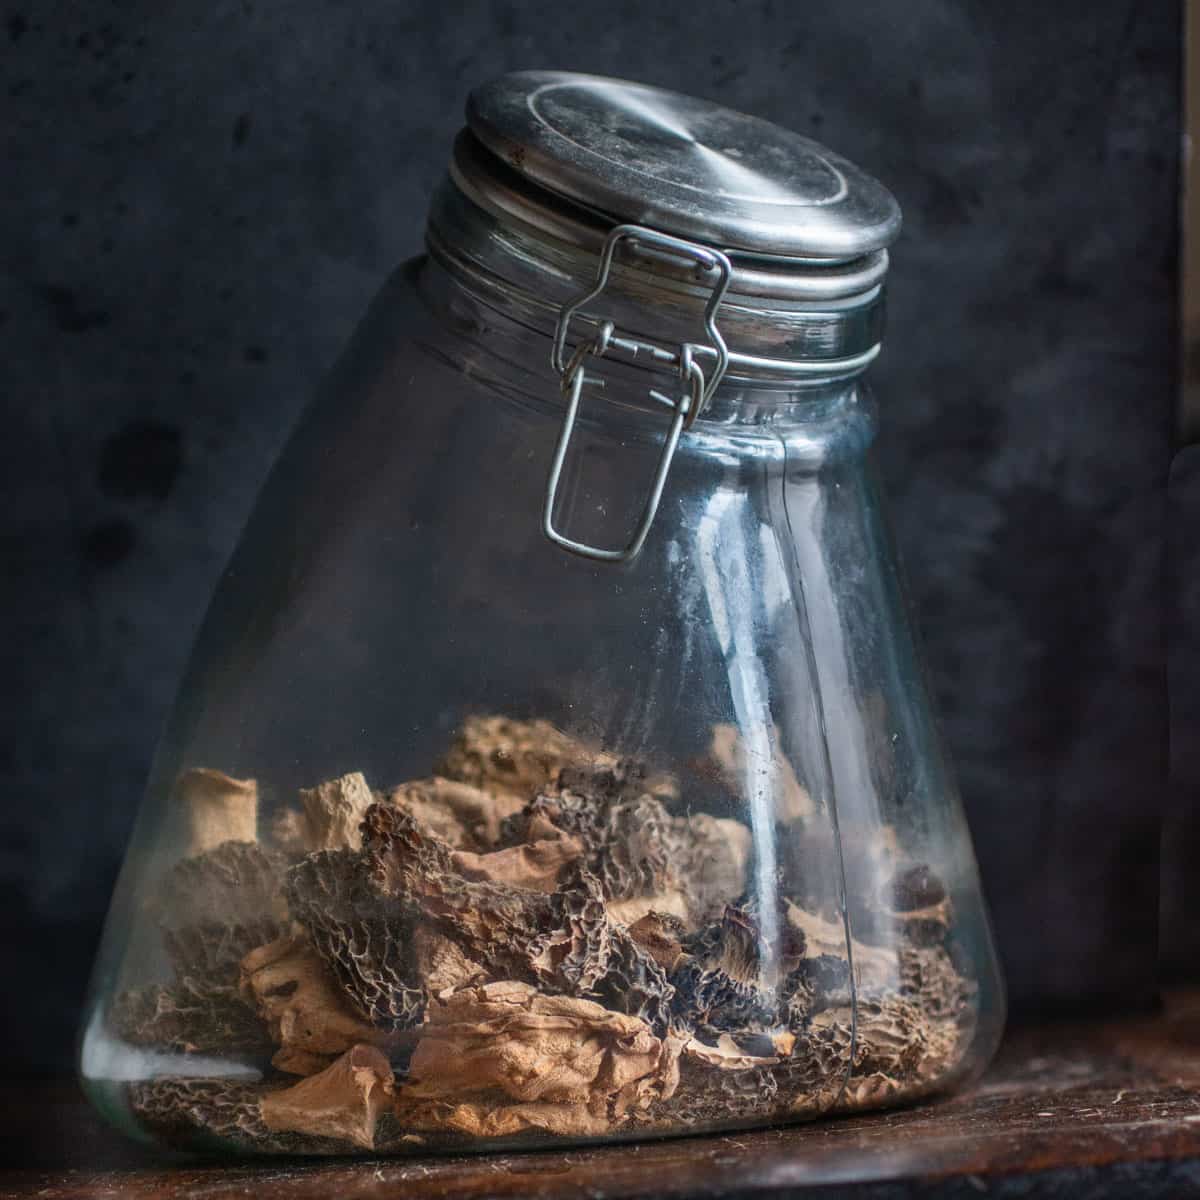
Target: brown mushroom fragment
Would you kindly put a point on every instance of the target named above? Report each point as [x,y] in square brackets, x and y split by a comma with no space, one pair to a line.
[723,981]
[571,1066]
[875,967]
[185,1018]
[646,860]
[441,964]
[217,808]
[221,1108]
[363,936]
[306,1013]
[897,1050]
[343,1101]
[334,810]
[919,906]
[535,865]
[462,815]
[661,936]
[196,1113]
[503,755]
[929,978]
[217,906]
[713,856]
[732,762]
[563,942]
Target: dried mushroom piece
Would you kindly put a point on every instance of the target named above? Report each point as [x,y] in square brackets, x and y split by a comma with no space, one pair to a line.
[899,1050]
[661,935]
[200,1113]
[625,839]
[919,906]
[306,1013]
[617,777]
[217,808]
[441,964]
[213,909]
[493,1118]
[646,860]
[332,812]
[224,1109]
[462,815]
[719,981]
[536,865]
[562,942]
[713,857]
[183,1018]
[570,1065]
[929,978]
[503,755]
[217,906]
[711,1095]
[363,937]
[727,1054]
[728,755]
[876,968]
[344,1101]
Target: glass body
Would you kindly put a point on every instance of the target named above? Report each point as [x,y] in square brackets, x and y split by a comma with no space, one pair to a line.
[455,840]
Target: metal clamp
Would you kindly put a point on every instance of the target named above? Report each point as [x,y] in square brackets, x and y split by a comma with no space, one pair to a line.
[693,398]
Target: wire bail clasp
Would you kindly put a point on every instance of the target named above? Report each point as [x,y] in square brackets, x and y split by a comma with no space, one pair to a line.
[695,394]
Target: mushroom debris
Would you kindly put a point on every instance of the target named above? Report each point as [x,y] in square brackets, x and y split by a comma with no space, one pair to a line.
[538,940]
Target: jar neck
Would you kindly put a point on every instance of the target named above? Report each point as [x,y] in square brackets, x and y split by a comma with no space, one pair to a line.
[530,275]
[513,355]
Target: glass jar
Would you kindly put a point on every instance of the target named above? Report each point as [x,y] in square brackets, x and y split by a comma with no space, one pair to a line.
[555,762]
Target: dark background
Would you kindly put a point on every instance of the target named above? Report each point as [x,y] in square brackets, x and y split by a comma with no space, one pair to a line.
[198,202]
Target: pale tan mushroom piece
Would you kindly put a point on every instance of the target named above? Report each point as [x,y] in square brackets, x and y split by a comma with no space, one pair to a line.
[333,812]
[463,815]
[305,1011]
[217,808]
[570,1065]
[727,751]
[344,1101]
[535,865]
[875,967]
[672,902]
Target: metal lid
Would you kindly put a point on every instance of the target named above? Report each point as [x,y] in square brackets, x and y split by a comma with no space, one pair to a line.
[683,166]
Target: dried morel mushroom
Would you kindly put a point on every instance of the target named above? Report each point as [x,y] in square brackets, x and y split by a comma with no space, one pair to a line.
[897,1050]
[626,840]
[215,907]
[503,1057]
[929,978]
[364,937]
[183,1018]
[563,942]
[462,815]
[536,865]
[728,759]
[646,860]
[307,1014]
[196,1113]
[919,905]
[499,754]
[719,987]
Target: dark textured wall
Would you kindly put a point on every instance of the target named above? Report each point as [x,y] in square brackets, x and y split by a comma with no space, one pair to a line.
[199,200]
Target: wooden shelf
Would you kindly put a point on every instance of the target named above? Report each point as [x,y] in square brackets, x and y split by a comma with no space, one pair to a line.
[1112,1103]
